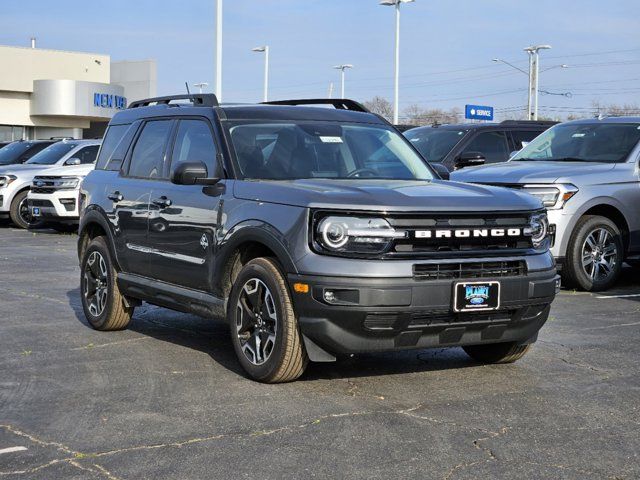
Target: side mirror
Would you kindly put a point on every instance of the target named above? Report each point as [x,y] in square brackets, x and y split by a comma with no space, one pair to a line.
[192,173]
[441,170]
[73,161]
[470,159]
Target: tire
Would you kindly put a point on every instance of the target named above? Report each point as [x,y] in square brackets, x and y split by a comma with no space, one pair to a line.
[19,212]
[497,352]
[264,328]
[104,307]
[597,240]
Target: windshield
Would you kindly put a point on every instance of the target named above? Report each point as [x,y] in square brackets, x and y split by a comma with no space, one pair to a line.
[284,151]
[593,142]
[12,152]
[52,154]
[435,143]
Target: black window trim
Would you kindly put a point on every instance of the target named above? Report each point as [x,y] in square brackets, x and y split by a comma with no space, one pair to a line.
[126,164]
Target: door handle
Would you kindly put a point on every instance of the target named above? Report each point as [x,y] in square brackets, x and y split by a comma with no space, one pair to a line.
[115,196]
[162,202]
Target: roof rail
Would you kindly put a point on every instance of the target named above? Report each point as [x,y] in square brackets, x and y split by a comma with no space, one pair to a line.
[338,103]
[198,100]
[528,122]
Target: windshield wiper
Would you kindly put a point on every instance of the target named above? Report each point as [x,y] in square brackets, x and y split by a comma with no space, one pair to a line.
[559,159]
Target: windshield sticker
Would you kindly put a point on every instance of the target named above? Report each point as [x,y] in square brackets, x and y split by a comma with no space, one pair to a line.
[331,139]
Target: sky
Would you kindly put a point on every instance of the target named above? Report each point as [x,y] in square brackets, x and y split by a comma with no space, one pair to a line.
[447,47]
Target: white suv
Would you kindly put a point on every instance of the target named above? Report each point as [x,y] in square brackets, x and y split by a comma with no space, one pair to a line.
[16,180]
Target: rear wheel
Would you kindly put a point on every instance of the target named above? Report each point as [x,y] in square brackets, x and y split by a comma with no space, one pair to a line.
[264,328]
[20,213]
[594,254]
[497,352]
[103,304]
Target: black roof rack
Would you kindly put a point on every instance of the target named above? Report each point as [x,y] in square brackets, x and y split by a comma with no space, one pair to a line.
[197,99]
[528,122]
[338,103]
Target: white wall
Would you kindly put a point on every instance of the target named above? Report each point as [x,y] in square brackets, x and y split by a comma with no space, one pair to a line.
[139,78]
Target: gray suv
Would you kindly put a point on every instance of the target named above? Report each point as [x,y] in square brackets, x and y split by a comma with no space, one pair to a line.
[586,173]
[315,232]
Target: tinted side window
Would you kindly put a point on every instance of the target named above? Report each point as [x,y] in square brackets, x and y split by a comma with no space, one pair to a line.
[112,138]
[194,143]
[87,154]
[147,158]
[523,136]
[493,145]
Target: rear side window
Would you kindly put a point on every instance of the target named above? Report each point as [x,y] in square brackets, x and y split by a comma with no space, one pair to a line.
[87,154]
[194,143]
[493,145]
[112,138]
[521,138]
[147,158]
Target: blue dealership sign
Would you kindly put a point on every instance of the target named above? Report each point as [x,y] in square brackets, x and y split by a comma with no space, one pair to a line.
[478,112]
[107,100]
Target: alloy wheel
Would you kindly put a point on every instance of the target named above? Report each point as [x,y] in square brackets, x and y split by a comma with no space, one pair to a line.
[96,286]
[24,212]
[599,255]
[256,321]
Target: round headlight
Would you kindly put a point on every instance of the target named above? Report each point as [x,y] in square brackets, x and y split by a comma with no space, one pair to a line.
[347,234]
[334,234]
[539,227]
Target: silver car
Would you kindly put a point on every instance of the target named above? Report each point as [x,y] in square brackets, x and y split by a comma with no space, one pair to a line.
[586,172]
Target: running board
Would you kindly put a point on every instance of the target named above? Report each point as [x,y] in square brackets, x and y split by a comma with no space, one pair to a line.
[171,296]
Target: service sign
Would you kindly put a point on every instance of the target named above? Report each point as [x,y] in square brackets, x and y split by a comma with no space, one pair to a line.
[478,112]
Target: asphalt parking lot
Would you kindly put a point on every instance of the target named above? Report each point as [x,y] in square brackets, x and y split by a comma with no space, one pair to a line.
[166,398]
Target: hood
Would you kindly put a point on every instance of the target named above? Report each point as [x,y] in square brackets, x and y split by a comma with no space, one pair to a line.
[531,172]
[392,195]
[71,171]
[22,167]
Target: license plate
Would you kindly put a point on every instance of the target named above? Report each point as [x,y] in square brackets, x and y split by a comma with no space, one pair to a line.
[476,296]
[35,211]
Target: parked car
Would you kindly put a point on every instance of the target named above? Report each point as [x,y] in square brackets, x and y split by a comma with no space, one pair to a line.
[4,144]
[53,198]
[314,231]
[20,151]
[469,144]
[586,173]
[16,180]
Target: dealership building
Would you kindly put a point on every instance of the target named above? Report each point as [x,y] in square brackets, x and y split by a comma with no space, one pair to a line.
[51,93]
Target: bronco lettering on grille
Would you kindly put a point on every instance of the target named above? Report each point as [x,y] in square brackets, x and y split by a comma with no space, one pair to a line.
[468,233]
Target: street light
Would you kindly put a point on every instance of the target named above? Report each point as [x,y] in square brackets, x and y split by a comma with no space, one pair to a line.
[342,68]
[265,49]
[534,73]
[396,91]
[201,85]
[219,49]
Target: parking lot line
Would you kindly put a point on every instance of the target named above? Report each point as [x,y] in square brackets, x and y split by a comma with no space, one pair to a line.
[12,449]
[620,296]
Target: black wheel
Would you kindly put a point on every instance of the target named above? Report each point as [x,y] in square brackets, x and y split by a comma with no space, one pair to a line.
[264,328]
[20,214]
[594,255]
[497,352]
[103,304]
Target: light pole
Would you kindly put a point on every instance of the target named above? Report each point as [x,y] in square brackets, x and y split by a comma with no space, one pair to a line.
[219,50]
[534,74]
[265,49]
[201,85]
[342,68]
[396,91]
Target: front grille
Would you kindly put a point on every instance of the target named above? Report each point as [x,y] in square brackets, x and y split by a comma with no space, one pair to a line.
[40,203]
[42,190]
[439,271]
[470,223]
[396,321]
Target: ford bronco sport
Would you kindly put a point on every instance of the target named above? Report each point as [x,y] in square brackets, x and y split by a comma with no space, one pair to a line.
[316,232]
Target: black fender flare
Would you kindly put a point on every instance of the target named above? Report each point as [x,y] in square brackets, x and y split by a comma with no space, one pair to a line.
[92,217]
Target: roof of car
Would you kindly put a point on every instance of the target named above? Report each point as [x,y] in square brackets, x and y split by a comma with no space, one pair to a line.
[288,112]
[490,125]
[606,120]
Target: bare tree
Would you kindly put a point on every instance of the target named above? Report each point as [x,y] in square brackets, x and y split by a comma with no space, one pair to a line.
[416,115]
[380,106]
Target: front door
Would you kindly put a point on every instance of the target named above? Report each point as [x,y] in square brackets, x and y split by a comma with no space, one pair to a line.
[183,218]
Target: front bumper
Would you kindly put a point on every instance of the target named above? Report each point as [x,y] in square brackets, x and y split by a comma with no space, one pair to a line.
[61,205]
[404,313]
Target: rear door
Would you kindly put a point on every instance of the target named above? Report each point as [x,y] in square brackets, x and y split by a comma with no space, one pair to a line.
[143,169]
[183,218]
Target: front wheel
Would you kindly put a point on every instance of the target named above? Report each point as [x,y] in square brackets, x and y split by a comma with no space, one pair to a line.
[497,352]
[20,213]
[264,328]
[594,254]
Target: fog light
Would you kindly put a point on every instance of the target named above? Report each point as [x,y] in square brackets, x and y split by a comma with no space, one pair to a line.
[558,285]
[329,296]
